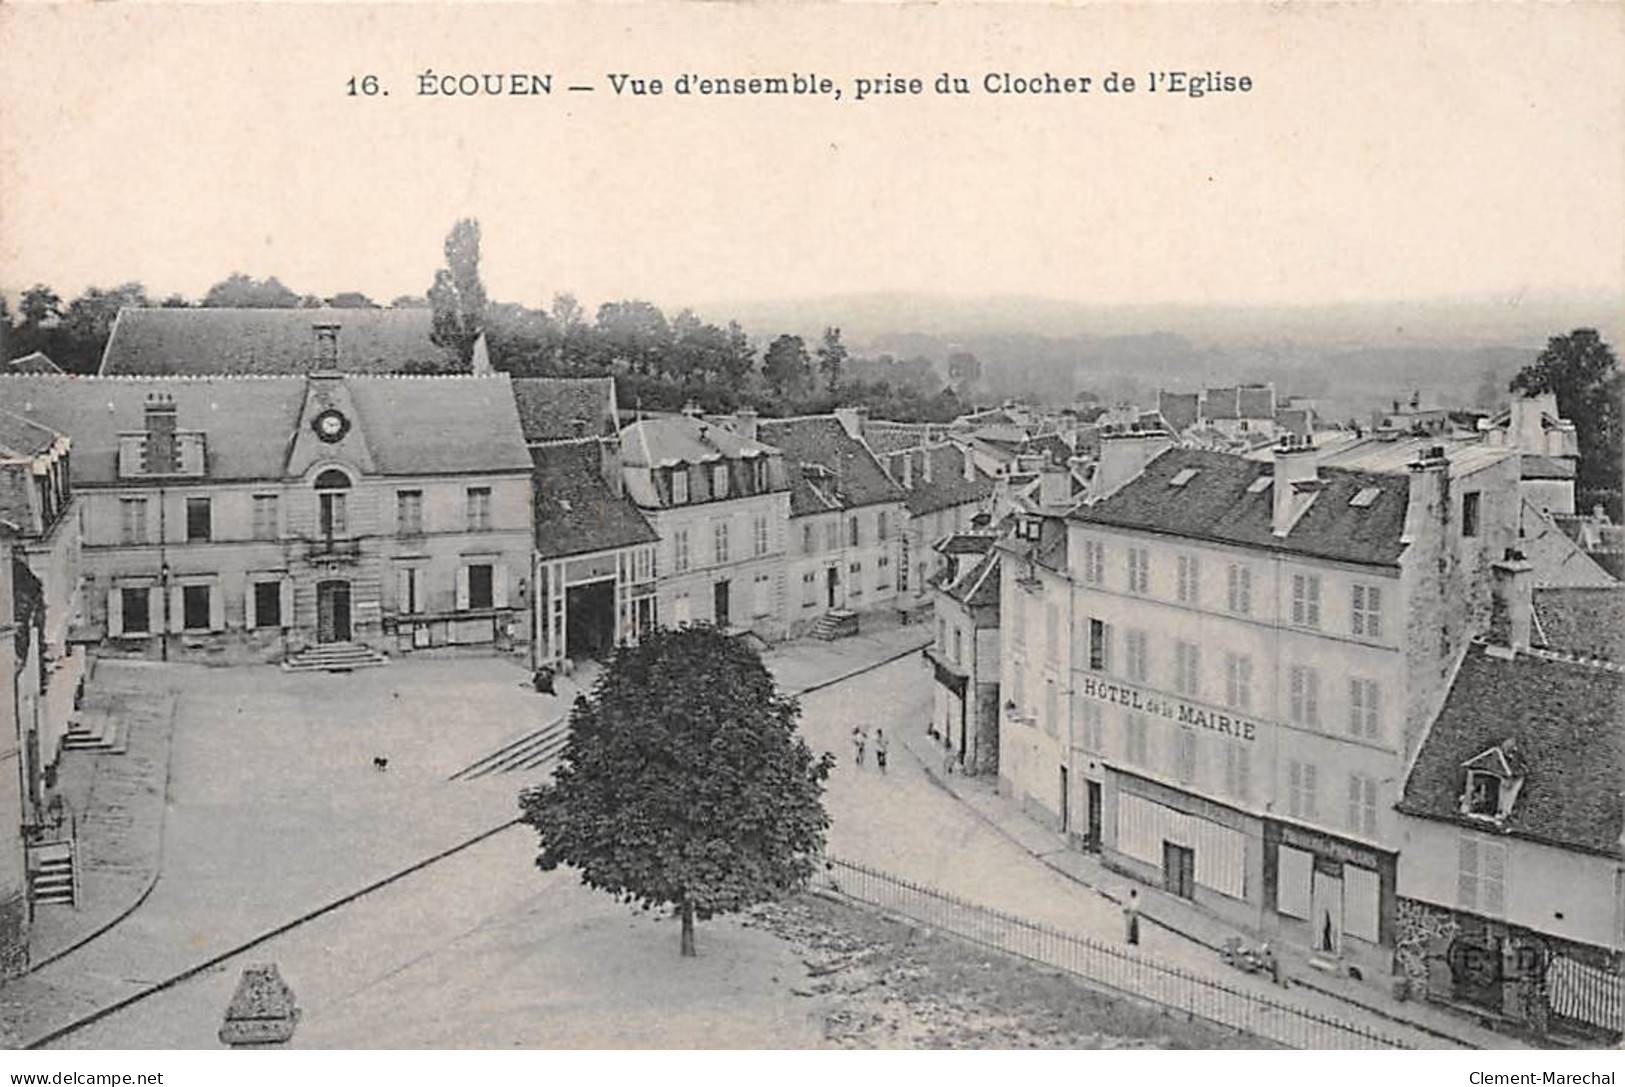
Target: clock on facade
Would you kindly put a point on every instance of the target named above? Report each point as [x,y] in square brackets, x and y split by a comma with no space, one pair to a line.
[331,425]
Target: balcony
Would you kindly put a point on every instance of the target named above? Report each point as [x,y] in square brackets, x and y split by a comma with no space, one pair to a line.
[333,549]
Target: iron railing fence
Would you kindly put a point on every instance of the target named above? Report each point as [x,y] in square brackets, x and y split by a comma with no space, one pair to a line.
[1102,964]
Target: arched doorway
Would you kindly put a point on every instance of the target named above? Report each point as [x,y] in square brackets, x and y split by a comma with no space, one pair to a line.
[332,611]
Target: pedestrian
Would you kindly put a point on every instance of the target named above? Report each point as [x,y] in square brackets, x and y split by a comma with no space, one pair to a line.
[859,739]
[1131,917]
[1272,965]
[880,749]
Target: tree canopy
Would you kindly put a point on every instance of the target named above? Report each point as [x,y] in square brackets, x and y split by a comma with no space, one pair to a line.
[684,782]
[245,292]
[1581,370]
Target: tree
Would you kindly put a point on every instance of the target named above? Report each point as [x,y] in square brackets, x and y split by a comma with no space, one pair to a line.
[633,334]
[684,782]
[1581,370]
[832,355]
[351,300]
[458,296]
[964,371]
[245,292]
[40,307]
[88,321]
[175,300]
[786,366]
[409,301]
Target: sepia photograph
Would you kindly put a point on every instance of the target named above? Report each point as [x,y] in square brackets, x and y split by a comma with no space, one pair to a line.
[820,527]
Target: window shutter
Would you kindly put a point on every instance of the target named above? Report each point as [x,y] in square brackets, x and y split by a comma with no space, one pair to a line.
[217,608]
[1355,795]
[1467,875]
[287,602]
[155,610]
[250,608]
[403,591]
[1493,879]
[499,585]
[462,588]
[177,609]
[115,611]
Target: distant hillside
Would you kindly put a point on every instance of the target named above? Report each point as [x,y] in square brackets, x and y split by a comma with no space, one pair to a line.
[1351,357]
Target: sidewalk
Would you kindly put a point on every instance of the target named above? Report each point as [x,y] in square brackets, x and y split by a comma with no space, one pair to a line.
[1175,914]
[807,664]
[119,800]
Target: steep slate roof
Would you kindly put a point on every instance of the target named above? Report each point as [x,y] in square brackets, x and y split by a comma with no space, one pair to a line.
[191,342]
[550,407]
[1215,504]
[413,425]
[1255,402]
[674,439]
[1559,561]
[1568,720]
[855,477]
[1179,409]
[35,362]
[1587,622]
[1219,403]
[576,509]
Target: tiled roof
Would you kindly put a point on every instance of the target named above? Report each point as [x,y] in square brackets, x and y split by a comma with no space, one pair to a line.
[23,438]
[887,437]
[553,409]
[978,586]
[1255,402]
[1052,444]
[1537,466]
[1583,622]
[1179,409]
[1568,721]
[948,486]
[412,425]
[192,342]
[1559,561]
[36,362]
[1295,421]
[828,468]
[1216,503]
[576,509]
[965,543]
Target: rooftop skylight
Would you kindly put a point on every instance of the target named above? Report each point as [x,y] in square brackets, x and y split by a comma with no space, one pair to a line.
[1365,497]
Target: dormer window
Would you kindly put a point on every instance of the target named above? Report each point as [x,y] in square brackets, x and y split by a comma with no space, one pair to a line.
[1492,781]
[679,486]
[1483,794]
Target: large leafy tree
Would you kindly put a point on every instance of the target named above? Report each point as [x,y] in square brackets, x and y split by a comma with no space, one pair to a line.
[458,296]
[964,371]
[684,783]
[786,366]
[1581,370]
[634,334]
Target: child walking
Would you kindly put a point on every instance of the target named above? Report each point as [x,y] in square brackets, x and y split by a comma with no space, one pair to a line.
[859,739]
[880,749]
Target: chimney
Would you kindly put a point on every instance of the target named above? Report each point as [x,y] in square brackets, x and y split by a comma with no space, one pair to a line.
[1296,480]
[1525,428]
[163,453]
[851,420]
[609,464]
[1124,456]
[1429,504]
[1054,486]
[1512,607]
[968,465]
[745,422]
[327,346]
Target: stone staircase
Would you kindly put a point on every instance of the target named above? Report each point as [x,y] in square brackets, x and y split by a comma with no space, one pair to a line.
[531,751]
[835,624]
[333,657]
[51,876]
[100,733]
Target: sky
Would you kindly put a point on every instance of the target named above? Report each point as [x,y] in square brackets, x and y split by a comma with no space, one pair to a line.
[1385,152]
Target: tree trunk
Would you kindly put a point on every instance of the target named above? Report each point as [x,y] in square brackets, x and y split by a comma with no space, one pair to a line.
[688,930]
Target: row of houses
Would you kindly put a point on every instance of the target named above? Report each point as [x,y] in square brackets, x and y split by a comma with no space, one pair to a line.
[1363,700]
[266,486]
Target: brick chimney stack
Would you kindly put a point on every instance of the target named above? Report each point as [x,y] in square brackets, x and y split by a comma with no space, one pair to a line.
[327,346]
[1512,608]
[163,456]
